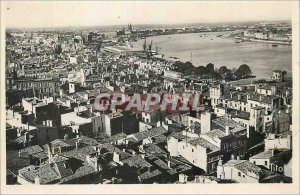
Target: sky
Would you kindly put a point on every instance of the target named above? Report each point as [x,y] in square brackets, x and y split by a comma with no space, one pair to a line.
[20,14]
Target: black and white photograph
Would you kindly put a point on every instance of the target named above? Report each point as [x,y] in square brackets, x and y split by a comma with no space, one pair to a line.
[150,92]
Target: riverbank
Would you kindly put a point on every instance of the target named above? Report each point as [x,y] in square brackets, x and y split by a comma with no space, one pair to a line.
[271,42]
[223,51]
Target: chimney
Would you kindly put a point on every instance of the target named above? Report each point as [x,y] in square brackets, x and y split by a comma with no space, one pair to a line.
[37,180]
[266,112]
[96,163]
[273,152]
[158,124]
[116,157]
[260,98]
[50,123]
[77,144]
[227,130]
[66,137]
[232,157]
[25,137]
[287,111]
[248,97]
[229,116]
[133,152]
[220,162]
[142,146]
[239,97]
[169,164]
[49,154]
[143,156]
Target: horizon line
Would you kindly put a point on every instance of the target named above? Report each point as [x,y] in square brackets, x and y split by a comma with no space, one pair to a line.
[141,24]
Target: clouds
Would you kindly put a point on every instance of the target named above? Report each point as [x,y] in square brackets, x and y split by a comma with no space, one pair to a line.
[79,13]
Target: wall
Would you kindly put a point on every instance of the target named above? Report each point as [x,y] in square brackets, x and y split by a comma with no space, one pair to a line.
[262,162]
[278,143]
[228,172]
[172,145]
[46,134]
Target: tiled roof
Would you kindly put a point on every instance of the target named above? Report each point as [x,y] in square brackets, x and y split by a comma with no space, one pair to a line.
[63,171]
[117,137]
[150,133]
[224,120]
[178,135]
[32,149]
[59,143]
[79,153]
[216,133]
[149,174]
[242,115]
[155,160]
[153,149]
[244,166]
[136,161]
[203,143]
[59,158]
[46,173]
[80,172]
[159,139]
[40,155]
[263,155]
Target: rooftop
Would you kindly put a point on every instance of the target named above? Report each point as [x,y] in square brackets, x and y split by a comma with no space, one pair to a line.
[137,161]
[203,143]
[244,166]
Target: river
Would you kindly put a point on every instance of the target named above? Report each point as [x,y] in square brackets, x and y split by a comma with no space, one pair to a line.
[202,49]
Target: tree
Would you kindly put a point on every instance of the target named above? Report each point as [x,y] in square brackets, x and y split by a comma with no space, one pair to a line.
[243,71]
[210,67]
[223,70]
[201,70]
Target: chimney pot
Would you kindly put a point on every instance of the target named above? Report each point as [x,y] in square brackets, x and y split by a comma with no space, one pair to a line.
[220,162]
[227,130]
[66,137]
[169,164]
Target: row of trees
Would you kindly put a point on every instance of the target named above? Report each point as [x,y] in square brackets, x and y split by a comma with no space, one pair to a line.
[187,68]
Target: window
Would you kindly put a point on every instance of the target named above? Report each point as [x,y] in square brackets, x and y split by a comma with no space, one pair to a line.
[243,176]
[266,163]
[192,150]
[182,147]
[239,174]
[254,162]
